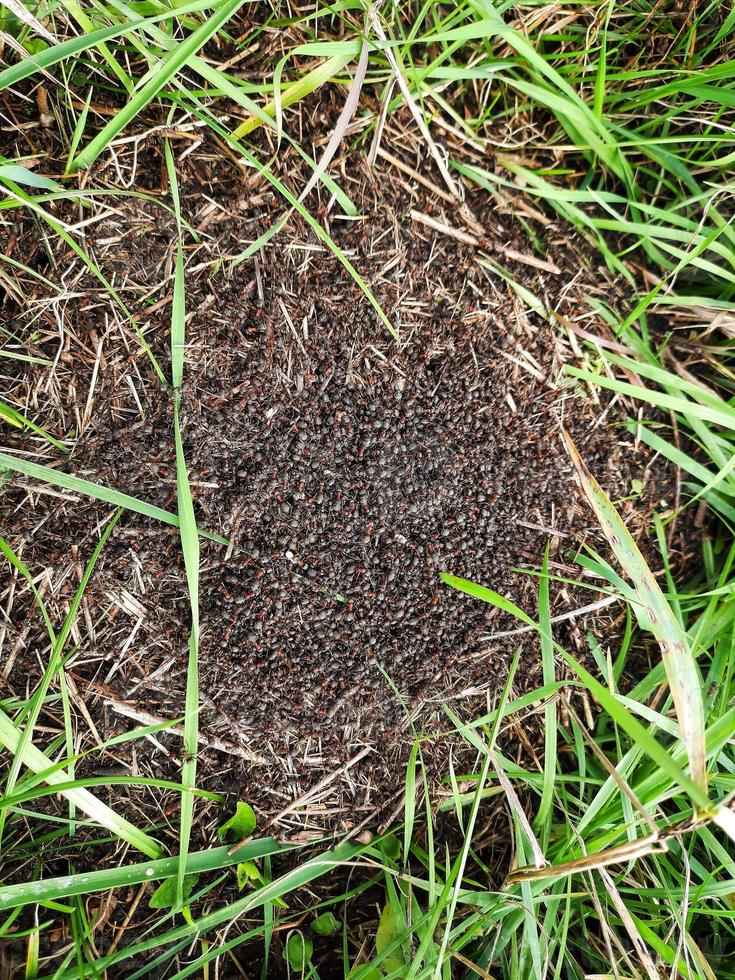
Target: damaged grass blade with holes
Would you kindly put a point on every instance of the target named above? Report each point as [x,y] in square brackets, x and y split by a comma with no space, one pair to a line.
[655,616]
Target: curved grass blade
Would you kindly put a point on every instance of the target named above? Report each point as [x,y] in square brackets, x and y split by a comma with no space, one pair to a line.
[19,421]
[47,474]
[657,617]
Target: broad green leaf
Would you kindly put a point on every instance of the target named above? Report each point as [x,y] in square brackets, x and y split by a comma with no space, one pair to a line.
[240,825]
[299,950]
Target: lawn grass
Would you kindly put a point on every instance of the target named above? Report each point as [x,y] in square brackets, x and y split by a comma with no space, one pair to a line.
[616,119]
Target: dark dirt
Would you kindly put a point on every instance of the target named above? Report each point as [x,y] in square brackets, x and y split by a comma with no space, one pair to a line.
[348,468]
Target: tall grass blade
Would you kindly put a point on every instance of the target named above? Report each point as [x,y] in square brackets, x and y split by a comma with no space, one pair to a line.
[47,474]
[37,761]
[158,79]
[656,616]
[189,543]
[197,862]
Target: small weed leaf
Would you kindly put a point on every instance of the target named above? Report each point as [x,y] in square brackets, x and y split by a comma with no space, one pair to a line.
[164,897]
[240,825]
[299,951]
[325,924]
[391,848]
[247,871]
[389,930]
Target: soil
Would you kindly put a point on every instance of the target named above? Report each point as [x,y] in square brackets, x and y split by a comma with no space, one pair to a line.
[348,469]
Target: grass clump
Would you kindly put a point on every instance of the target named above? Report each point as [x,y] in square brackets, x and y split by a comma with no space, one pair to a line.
[617,120]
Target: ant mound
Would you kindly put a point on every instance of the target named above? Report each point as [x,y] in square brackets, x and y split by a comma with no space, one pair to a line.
[349,468]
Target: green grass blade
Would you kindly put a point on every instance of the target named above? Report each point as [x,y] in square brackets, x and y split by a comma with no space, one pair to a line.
[198,862]
[102,814]
[55,666]
[17,419]
[189,544]
[543,817]
[47,474]
[658,618]
[724,416]
[159,78]
[299,90]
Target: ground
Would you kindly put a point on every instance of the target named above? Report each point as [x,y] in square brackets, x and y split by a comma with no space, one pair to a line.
[347,467]
[339,462]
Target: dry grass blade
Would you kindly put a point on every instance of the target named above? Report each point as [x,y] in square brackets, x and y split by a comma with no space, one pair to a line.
[630,851]
[27,18]
[438,155]
[517,810]
[345,117]
[656,616]
[643,955]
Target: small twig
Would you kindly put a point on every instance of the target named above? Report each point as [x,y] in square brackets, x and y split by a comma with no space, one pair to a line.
[532,260]
[572,614]
[415,175]
[461,236]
